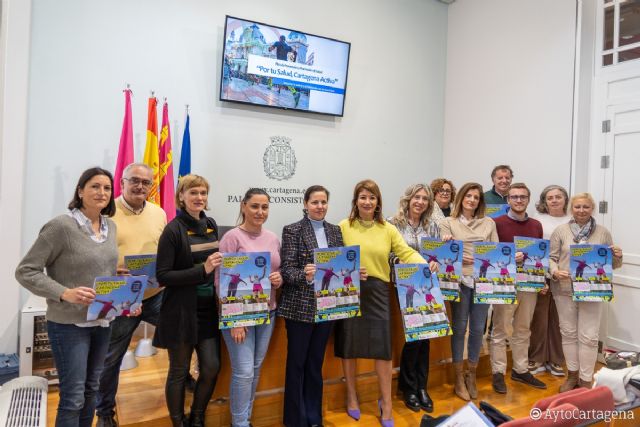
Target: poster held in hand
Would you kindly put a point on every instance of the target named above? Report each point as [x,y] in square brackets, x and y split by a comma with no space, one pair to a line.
[449,256]
[244,289]
[591,272]
[142,265]
[494,271]
[116,296]
[336,284]
[421,303]
[532,274]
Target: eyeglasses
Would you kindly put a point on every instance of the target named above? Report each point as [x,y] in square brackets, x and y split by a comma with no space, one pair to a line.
[443,191]
[518,197]
[138,181]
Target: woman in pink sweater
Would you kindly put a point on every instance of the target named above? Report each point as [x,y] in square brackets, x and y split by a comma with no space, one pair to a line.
[248,345]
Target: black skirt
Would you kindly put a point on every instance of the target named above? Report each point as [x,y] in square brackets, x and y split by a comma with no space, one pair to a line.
[367,336]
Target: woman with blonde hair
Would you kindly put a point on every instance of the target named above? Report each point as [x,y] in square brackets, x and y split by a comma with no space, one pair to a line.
[579,320]
[413,220]
[469,224]
[369,336]
[187,257]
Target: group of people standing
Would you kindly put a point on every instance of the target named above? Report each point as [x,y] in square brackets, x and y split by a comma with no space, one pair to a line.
[85,243]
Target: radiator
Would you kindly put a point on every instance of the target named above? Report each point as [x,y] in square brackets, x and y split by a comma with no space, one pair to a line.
[23,402]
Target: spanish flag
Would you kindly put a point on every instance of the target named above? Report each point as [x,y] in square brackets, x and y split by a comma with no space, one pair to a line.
[151,156]
[167,190]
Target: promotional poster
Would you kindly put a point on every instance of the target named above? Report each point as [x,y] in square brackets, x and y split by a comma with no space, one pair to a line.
[244,289]
[531,275]
[421,303]
[116,296]
[591,272]
[337,283]
[142,265]
[494,271]
[449,256]
[494,211]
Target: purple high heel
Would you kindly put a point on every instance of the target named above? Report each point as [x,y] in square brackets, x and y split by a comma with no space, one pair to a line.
[384,423]
[354,413]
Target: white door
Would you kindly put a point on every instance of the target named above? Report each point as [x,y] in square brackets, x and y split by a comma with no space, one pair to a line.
[621,190]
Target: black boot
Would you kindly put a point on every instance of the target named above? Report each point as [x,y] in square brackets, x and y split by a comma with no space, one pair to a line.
[179,421]
[196,419]
[425,400]
[411,401]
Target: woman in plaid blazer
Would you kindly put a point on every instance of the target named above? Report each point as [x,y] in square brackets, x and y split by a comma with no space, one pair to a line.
[306,340]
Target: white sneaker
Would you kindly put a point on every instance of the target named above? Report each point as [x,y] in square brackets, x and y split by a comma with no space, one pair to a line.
[555,369]
[536,368]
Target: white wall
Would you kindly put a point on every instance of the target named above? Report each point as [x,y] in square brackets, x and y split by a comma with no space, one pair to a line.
[83,52]
[14,76]
[509,90]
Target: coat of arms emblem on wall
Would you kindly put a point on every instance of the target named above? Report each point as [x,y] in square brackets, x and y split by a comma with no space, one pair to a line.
[279,159]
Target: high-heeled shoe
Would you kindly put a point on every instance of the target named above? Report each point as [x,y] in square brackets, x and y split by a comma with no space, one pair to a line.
[383,422]
[354,413]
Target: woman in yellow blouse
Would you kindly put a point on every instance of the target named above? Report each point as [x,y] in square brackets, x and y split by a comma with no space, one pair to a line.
[369,336]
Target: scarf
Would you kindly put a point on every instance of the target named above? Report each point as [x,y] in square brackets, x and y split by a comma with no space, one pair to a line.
[581,234]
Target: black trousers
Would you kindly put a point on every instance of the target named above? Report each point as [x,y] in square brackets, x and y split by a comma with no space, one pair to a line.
[208,351]
[303,383]
[414,366]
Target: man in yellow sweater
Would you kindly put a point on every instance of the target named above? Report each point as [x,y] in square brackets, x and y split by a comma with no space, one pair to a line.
[140,224]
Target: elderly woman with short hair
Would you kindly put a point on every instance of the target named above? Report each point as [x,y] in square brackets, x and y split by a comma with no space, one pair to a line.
[579,320]
[545,348]
[444,193]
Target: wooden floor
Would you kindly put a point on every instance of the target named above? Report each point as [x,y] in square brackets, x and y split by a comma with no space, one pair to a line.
[141,402]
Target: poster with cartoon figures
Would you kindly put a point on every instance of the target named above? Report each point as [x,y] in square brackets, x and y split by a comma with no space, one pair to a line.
[531,275]
[494,211]
[494,272]
[244,289]
[449,257]
[116,296]
[591,272]
[421,302]
[142,265]
[337,283]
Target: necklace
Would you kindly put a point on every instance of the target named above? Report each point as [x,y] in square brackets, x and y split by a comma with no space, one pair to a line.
[366,224]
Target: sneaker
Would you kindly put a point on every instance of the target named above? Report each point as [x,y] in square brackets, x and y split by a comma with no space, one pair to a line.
[498,383]
[536,368]
[527,379]
[555,369]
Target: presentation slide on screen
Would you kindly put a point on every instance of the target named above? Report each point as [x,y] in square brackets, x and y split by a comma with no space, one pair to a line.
[273,66]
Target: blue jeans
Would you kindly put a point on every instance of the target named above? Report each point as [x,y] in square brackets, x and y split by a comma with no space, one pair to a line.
[79,356]
[122,329]
[246,361]
[466,311]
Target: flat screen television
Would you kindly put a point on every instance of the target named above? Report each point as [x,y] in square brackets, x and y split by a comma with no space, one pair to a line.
[282,68]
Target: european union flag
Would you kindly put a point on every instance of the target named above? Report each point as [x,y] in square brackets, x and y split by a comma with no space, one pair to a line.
[185,152]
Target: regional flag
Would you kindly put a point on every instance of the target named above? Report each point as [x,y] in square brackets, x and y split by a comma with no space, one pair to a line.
[125,150]
[167,190]
[151,156]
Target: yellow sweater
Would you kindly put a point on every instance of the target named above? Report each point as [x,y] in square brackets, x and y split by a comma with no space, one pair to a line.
[375,245]
[139,234]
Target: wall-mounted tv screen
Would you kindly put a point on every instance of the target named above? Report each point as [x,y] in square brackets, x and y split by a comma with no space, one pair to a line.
[282,68]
